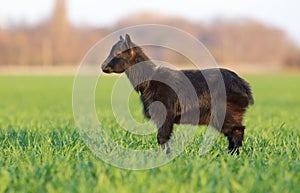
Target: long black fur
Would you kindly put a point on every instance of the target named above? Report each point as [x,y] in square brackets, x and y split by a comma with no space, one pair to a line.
[127,57]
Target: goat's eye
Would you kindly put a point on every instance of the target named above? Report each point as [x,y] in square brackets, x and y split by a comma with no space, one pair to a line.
[118,55]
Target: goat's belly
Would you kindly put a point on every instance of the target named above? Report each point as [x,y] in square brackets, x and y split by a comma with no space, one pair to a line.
[193,117]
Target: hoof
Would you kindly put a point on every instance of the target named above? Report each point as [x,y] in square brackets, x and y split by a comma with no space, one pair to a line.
[234,151]
[166,148]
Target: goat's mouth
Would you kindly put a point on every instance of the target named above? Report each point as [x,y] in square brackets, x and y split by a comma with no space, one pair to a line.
[107,69]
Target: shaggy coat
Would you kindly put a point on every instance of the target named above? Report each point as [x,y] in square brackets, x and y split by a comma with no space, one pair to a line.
[165,85]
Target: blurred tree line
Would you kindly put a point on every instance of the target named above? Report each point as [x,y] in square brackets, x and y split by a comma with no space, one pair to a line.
[56,42]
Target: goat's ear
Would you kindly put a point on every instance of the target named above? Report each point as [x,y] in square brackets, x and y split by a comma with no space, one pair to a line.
[128,41]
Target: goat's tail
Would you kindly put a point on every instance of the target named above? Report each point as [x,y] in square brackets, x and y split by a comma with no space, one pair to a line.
[247,88]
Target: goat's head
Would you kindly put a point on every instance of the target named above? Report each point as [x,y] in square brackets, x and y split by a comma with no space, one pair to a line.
[119,58]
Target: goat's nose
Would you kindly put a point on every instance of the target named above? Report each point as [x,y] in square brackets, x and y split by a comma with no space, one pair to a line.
[103,66]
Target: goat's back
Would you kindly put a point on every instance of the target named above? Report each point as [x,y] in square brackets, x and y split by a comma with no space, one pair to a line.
[237,89]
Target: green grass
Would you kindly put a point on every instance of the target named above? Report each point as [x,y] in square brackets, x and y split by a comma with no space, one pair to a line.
[41,150]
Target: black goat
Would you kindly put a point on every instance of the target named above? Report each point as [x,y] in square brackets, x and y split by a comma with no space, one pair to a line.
[145,76]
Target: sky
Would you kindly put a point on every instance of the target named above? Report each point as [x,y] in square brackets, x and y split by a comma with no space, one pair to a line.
[283,14]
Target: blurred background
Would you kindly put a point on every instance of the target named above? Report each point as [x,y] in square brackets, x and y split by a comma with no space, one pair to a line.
[43,150]
[247,36]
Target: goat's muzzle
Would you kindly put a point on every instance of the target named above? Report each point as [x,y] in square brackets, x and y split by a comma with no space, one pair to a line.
[106,69]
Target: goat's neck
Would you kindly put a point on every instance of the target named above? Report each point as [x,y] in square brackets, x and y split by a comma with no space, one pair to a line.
[140,72]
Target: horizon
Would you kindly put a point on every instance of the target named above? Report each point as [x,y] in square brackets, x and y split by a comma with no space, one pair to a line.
[92,13]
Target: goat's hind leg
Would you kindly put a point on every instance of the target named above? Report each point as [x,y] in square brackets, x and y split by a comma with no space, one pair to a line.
[235,136]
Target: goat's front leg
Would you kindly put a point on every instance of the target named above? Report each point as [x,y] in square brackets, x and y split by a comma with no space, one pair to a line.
[163,117]
[164,134]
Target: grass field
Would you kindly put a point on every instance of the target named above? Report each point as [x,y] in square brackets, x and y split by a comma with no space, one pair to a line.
[41,150]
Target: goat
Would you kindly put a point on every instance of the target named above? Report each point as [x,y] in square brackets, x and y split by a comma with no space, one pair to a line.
[126,56]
